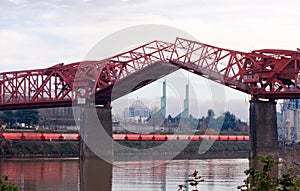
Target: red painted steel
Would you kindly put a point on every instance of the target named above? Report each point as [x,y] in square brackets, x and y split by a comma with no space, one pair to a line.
[265,73]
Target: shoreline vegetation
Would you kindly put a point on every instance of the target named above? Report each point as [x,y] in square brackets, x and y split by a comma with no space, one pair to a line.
[124,149]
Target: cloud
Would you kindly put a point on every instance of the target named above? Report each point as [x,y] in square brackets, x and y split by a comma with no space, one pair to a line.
[70,29]
[37,34]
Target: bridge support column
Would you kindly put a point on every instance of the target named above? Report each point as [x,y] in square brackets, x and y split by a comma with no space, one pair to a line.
[263,131]
[96,151]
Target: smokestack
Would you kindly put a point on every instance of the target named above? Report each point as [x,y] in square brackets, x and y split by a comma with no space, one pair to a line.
[185,113]
[163,101]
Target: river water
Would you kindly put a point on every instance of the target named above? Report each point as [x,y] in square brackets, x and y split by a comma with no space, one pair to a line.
[63,174]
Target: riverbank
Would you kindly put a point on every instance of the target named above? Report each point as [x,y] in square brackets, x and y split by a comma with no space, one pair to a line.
[132,150]
[54,149]
[178,149]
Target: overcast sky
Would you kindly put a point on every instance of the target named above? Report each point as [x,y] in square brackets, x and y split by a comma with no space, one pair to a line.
[37,34]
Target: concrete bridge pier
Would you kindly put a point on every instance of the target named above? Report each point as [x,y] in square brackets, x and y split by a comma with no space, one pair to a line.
[96,151]
[263,131]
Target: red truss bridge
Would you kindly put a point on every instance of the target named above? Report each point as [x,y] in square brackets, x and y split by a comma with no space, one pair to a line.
[267,73]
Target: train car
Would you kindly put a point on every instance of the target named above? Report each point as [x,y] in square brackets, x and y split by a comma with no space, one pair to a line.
[173,137]
[70,136]
[161,137]
[52,137]
[31,136]
[132,137]
[210,137]
[242,138]
[195,137]
[147,137]
[118,137]
[11,136]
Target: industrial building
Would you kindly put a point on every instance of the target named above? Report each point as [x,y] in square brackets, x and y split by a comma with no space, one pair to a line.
[185,112]
[289,121]
[137,112]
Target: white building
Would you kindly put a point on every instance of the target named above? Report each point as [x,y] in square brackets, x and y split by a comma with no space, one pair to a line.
[137,112]
[289,128]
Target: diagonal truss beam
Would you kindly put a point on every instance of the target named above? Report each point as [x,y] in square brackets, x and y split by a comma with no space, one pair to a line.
[267,73]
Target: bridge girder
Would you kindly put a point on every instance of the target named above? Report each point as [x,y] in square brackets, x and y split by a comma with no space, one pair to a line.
[267,73]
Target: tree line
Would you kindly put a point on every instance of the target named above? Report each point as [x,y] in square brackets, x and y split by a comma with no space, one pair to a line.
[225,122]
[13,119]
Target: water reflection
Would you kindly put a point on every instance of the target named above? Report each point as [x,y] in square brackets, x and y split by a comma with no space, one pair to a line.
[219,174]
[62,174]
[42,174]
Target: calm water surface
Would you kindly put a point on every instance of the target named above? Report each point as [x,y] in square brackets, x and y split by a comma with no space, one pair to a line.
[63,174]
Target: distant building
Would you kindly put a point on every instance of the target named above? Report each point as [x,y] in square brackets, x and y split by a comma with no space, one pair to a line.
[185,112]
[289,122]
[59,118]
[115,121]
[163,101]
[158,117]
[137,112]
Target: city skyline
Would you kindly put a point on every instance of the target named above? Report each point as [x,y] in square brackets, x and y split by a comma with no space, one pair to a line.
[200,98]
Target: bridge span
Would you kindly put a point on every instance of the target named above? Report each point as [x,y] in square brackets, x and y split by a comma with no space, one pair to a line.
[262,73]
[266,74]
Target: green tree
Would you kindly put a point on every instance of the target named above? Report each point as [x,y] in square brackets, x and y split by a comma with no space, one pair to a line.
[210,114]
[229,122]
[216,123]
[8,117]
[4,186]
[210,118]
[156,119]
[27,116]
[261,180]
[5,147]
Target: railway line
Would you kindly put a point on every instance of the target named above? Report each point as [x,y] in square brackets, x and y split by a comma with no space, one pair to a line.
[33,136]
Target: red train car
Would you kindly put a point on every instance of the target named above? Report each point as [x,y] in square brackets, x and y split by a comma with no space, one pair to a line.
[119,137]
[11,136]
